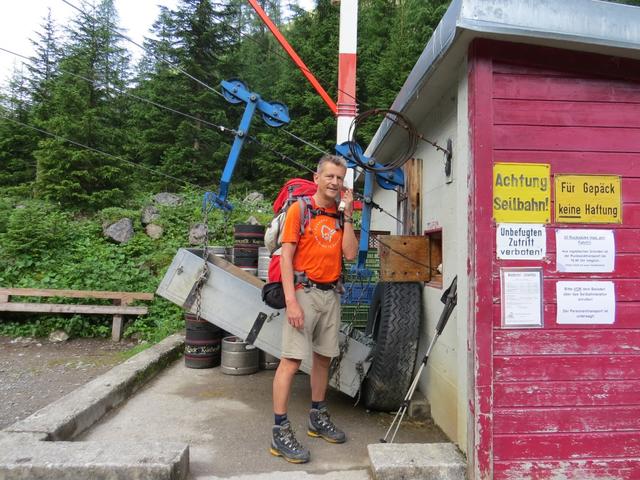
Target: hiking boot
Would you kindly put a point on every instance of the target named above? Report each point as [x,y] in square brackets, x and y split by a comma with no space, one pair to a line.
[320,425]
[284,444]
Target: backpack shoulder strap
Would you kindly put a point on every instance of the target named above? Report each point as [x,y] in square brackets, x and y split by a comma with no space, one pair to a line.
[307,212]
[304,206]
[340,217]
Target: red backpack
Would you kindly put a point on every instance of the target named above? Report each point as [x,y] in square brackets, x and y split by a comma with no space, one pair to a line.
[289,194]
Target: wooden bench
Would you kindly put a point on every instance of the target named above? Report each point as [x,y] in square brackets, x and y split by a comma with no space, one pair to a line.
[121,304]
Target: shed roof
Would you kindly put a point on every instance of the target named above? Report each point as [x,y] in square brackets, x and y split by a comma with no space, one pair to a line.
[584,25]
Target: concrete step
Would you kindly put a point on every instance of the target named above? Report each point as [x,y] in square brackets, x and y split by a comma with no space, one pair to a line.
[427,461]
[359,474]
[22,457]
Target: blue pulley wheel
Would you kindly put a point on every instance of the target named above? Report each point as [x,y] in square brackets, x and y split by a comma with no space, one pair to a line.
[278,116]
[230,88]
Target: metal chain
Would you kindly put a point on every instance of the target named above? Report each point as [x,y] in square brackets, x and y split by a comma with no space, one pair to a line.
[204,272]
[337,362]
[364,288]
[344,346]
[360,365]
[227,230]
[362,375]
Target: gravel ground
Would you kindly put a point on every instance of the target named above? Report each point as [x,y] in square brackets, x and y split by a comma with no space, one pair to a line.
[36,372]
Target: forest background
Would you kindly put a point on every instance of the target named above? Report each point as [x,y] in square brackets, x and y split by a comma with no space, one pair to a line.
[88,137]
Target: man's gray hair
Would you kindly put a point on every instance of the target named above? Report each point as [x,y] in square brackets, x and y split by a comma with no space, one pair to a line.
[334,159]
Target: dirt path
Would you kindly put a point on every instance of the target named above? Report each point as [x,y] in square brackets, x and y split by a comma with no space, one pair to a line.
[35,372]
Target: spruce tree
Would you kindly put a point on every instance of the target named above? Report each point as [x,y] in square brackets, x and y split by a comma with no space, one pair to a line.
[17,141]
[89,113]
[188,43]
[43,67]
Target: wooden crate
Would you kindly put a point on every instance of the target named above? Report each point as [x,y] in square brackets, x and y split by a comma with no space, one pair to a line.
[404,258]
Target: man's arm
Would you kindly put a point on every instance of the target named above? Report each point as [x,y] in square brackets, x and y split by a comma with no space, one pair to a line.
[295,315]
[349,240]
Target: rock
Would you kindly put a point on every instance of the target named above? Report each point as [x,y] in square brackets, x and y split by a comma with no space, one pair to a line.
[121,231]
[149,215]
[166,198]
[154,231]
[58,336]
[252,221]
[254,197]
[197,234]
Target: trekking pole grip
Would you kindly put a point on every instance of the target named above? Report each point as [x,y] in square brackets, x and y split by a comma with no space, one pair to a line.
[450,303]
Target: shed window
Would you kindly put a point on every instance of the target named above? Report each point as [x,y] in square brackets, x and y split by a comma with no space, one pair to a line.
[435,257]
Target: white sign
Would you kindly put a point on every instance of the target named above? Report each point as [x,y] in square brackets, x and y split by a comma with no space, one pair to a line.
[585,250]
[586,302]
[521,241]
[521,297]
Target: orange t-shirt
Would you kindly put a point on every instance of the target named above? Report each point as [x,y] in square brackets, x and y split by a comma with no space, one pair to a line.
[319,250]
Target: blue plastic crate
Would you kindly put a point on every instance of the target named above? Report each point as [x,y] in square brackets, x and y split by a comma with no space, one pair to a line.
[357,293]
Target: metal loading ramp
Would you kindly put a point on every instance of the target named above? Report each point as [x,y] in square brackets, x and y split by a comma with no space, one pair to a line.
[231,299]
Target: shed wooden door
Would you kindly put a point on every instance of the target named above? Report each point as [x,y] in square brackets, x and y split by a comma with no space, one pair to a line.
[562,401]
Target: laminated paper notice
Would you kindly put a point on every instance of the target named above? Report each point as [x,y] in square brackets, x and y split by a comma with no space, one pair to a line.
[521,297]
[585,250]
[586,302]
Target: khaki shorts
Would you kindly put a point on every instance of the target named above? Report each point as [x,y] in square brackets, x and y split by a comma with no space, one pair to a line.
[321,325]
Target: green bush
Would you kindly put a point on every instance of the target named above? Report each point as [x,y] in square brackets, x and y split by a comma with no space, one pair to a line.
[6,207]
[43,246]
[113,214]
[34,228]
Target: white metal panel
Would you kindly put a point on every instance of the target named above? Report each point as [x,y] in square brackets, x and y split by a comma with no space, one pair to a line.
[231,300]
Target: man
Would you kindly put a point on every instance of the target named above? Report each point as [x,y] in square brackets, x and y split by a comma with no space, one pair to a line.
[311,265]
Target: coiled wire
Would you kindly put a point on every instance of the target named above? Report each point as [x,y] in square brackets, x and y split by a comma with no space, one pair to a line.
[400,120]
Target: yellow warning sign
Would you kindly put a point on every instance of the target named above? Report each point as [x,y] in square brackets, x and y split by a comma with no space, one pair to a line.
[521,193]
[588,199]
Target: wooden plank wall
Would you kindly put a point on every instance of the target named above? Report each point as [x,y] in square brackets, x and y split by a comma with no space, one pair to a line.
[566,398]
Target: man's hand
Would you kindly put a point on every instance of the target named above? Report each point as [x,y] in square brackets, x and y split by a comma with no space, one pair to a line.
[347,198]
[295,315]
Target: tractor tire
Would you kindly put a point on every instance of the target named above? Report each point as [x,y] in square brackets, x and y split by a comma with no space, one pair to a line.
[394,324]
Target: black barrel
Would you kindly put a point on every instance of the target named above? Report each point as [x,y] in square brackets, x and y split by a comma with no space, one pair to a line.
[247,239]
[249,235]
[202,347]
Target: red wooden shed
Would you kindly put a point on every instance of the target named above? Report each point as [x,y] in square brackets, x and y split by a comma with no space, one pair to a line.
[540,219]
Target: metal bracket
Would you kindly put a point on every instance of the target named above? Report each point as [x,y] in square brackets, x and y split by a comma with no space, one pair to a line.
[448,161]
[274,114]
[203,274]
[255,329]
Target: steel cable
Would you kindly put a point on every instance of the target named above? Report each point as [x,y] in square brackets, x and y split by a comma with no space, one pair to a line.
[95,150]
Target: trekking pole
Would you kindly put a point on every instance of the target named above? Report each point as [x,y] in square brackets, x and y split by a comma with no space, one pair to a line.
[450,299]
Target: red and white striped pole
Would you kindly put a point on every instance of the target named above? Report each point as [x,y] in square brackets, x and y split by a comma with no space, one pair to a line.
[347,61]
